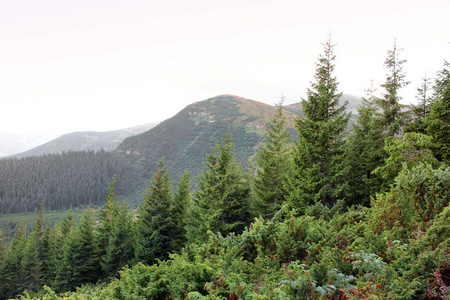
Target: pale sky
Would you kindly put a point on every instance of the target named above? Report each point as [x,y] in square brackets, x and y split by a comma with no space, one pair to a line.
[102,65]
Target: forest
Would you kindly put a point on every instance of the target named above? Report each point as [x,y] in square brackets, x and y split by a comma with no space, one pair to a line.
[62,180]
[331,213]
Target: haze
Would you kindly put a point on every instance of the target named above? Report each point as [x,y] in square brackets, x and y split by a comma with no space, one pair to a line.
[99,65]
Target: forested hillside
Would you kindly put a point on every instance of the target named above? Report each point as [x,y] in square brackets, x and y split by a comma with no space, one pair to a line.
[330,213]
[184,140]
[60,180]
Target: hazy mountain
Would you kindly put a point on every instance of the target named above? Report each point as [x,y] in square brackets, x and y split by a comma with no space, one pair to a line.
[87,140]
[184,140]
[15,143]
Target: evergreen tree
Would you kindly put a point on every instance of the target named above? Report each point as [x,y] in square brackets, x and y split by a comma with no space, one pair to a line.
[80,263]
[3,275]
[392,118]
[318,156]
[365,152]
[438,120]
[270,186]
[15,280]
[420,111]
[182,203]
[221,203]
[47,246]
[106,216]
[155,223]
[119,251]
[33,254]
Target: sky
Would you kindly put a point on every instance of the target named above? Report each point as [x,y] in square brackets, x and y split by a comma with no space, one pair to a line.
[100,65]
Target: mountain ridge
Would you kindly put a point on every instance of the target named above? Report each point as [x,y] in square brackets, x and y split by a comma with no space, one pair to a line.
[85,141]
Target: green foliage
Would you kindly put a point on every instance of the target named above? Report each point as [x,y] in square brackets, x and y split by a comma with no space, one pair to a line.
[405,151]
[417,197]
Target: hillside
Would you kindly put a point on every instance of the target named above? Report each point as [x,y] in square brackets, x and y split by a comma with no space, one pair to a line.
[184,140]
[86,141]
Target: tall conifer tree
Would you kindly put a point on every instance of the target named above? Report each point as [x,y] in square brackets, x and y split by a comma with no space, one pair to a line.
[319,165]
[392,117]
[222,202]
[366,152]
[438,120]
[182,203]
[270,186]
[155,222]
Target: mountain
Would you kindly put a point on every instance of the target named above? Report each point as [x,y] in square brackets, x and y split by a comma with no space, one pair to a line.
[184,140]
[87,140]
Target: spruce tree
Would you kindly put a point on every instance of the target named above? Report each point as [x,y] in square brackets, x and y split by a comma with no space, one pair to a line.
[155,223]
[319,165]
[106,216]
[270,187]
[119,251]
[438,120]
[182,203]
[420,111]
[221,203]
[392,117]
[365,152]
[15,280]
[33,254]
[3,274]
[80,263]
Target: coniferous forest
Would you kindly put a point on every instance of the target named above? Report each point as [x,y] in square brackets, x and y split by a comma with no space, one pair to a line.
[344,210]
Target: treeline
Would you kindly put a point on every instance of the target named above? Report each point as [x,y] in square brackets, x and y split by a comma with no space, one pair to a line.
[336,214]
[61,180]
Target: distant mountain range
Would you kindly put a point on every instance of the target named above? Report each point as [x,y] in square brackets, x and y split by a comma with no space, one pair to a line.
[86,140]
[183,142]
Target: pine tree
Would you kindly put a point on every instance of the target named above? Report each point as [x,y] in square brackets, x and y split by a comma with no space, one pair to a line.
[221,203]
[273,159]
[155,223]
[319,165]
[392,118]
